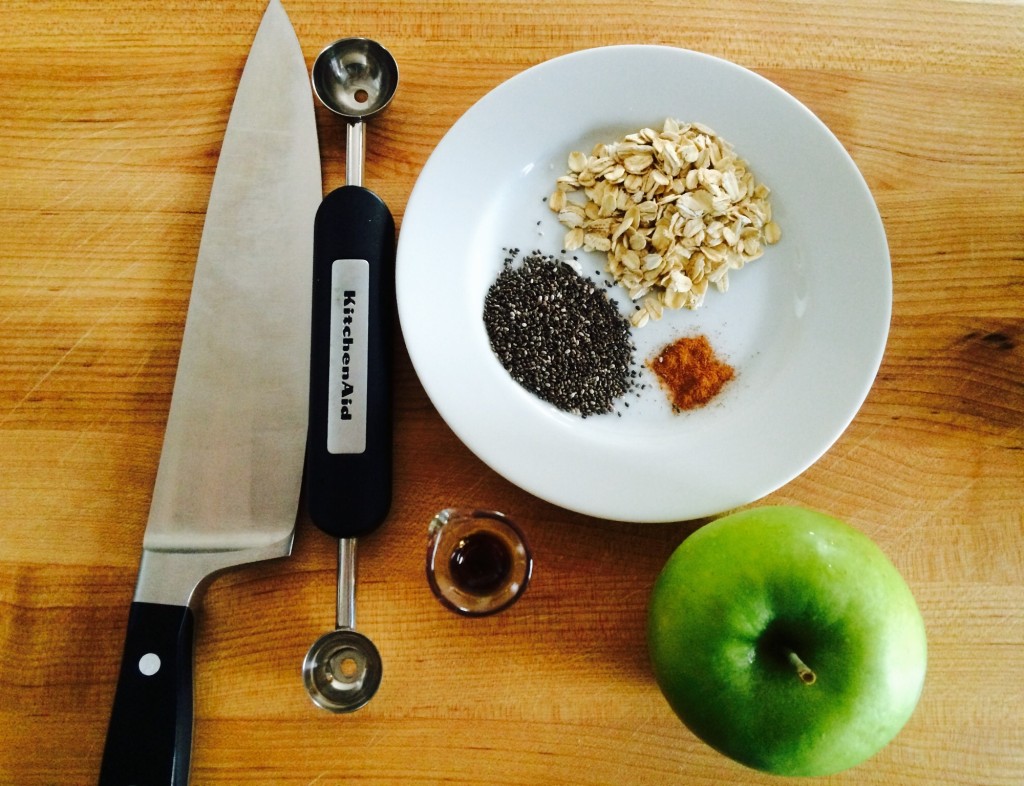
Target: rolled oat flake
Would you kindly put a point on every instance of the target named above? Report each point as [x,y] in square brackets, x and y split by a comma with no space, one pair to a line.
[558,335]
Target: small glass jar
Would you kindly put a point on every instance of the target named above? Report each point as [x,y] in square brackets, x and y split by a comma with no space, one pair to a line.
[478,562]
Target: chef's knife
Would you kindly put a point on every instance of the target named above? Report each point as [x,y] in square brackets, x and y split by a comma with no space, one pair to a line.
[227,488]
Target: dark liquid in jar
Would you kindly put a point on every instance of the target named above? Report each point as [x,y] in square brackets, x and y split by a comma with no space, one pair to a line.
[480,564]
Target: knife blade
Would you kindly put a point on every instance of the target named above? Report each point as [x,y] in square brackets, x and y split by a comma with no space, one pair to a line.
[230,472]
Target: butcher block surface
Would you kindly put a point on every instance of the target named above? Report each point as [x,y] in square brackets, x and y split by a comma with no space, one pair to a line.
[111,118]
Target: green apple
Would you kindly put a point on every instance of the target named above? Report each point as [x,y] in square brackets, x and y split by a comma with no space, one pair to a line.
[787,640]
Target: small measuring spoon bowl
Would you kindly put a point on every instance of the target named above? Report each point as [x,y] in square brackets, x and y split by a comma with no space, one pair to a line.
[342,670]
[355,78]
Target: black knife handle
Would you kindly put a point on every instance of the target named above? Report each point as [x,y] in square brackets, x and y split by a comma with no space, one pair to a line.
[149,740]
[348,450]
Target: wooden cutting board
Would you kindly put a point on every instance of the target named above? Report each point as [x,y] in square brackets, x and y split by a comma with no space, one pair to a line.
[111,117]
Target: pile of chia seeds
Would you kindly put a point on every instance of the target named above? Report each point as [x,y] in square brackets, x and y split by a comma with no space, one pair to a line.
[559,335]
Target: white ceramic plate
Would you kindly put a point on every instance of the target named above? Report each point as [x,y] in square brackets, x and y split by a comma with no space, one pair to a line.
[804,326]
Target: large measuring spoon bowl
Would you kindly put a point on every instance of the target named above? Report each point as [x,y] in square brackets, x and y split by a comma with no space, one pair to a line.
[355,78]
[342,670]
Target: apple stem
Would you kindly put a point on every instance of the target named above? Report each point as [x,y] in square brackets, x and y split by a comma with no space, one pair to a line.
[803,671]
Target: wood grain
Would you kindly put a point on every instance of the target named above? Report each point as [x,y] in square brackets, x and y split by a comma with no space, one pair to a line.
[111,117]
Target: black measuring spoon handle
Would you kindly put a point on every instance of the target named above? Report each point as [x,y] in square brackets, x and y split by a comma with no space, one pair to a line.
[349,445]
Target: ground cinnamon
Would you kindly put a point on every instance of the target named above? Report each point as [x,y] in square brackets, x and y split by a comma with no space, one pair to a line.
[690,372]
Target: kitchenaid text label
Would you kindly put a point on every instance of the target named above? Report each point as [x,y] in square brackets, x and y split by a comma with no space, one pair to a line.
[346,388]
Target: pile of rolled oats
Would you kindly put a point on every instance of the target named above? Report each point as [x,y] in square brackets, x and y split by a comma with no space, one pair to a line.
[674,209]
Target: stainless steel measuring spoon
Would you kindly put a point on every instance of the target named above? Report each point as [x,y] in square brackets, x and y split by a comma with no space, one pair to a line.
[343,669]
[348,454]
[355,78]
